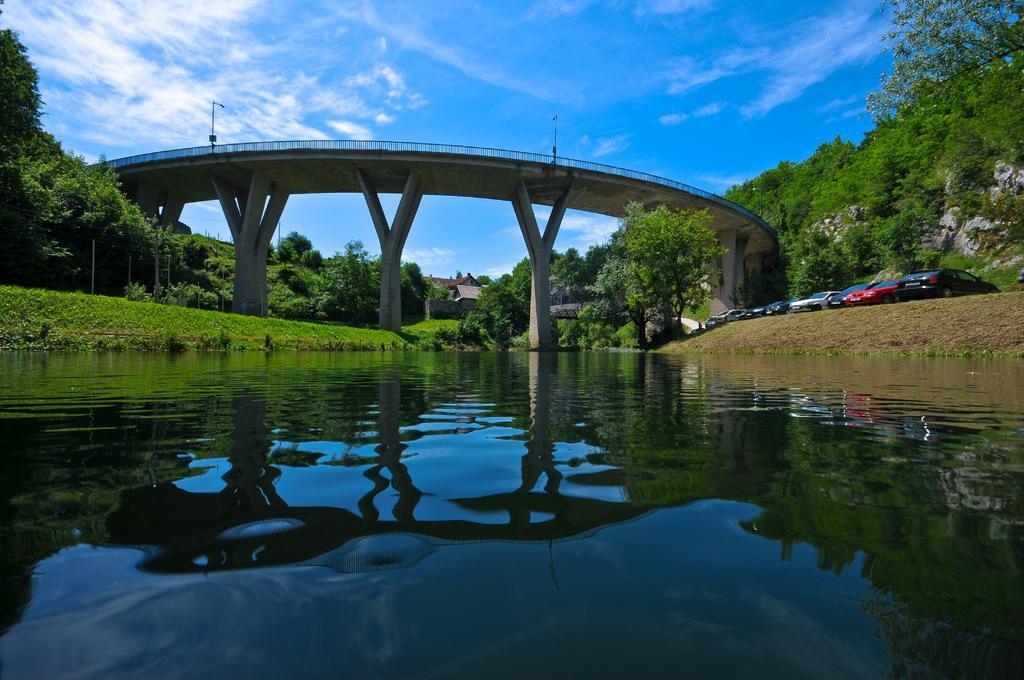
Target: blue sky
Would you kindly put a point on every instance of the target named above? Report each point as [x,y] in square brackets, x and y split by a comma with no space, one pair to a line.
[707,92]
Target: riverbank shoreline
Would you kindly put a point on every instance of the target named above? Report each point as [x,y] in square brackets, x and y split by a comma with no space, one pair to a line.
[33,319]
[980,325]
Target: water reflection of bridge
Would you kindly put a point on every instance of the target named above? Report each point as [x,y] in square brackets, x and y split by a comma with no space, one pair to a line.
[248,524]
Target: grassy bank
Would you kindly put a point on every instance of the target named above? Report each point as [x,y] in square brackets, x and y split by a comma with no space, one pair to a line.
[44,319]
[976,325]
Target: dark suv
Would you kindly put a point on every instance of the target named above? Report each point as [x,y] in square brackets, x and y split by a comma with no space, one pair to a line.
[941,283]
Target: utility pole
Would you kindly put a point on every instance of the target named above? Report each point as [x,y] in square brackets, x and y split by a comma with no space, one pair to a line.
[129,268]
[554,145]
[213,122]
[93,284]
[156,269]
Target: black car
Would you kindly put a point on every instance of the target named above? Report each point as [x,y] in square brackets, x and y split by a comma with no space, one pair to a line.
[779,307]
[941,283]
[840,300]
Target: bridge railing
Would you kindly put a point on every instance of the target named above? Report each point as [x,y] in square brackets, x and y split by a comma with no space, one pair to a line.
[421,147]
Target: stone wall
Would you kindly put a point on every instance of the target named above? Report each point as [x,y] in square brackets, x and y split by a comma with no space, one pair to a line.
[448,309]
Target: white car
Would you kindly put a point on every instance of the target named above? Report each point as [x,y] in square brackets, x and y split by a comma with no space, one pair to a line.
[814,302]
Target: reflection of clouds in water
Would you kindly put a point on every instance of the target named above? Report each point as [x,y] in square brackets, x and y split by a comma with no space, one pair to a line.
[267,621]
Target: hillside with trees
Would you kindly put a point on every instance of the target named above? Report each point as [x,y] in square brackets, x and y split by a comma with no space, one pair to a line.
[58,212]
[939,181]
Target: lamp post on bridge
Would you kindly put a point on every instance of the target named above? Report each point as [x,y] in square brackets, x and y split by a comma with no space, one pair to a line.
[554,145]
[213,122]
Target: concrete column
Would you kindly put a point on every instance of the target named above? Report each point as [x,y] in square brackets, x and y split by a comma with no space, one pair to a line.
[252,215]
[165,206]
[740,263]
[539,248]
[147,197]
[724,280]
[392,241]
[173,204]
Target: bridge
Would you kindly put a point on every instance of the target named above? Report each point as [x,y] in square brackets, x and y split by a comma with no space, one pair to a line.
[253,181]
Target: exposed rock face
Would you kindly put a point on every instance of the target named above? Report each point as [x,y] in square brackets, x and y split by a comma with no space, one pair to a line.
[836,225]
[968,236]
[1009,180]
[955,234]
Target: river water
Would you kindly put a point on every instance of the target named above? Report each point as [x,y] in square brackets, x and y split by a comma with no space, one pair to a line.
[575,515]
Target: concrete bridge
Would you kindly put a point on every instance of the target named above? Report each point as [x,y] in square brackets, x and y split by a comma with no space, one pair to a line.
[253,181]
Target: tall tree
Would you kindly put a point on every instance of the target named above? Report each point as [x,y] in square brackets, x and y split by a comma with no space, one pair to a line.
[671,253]
[933,41]
[19,103]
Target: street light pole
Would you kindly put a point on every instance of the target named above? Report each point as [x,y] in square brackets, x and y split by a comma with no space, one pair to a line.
[213,122]
[554,145]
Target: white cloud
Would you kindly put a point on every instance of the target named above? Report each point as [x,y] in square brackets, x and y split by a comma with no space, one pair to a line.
[605,146]
[473,66]
[500,270]
[702,112]
[816,48]
[839,103]
[554,9]
[350,129]
[823,46]
[720,182]
[142,74]
[687,74]
[583,231]
[428,257]
[578,230]
[671,6]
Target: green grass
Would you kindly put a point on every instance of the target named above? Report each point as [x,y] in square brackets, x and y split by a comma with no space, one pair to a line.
[430,326]
[44,319]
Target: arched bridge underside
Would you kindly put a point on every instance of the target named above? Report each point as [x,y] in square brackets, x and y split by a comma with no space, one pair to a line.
[253,181]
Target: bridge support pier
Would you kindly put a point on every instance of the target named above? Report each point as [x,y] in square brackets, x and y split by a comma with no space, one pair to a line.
[539,247]
[392,241]
[733,272]
[252,215]
[166,206]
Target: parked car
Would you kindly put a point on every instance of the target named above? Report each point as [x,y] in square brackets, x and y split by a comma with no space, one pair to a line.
[716,320]
[754,313]
[882,292]
[814,302]
[840,300]
[941,283]
[735,314]
[779,307]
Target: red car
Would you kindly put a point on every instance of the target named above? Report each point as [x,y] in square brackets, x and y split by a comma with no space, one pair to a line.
[883,292]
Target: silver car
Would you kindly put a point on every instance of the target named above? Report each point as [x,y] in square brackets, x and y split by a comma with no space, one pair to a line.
[814,302]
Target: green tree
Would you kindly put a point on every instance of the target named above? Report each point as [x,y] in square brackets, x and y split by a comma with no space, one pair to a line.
[568,270]
[934,41]
[819,262]
[617,296]
[415,288]
[349,288]
[293,246]
[901,234]
[20,102]
[503,310]
[671,255]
